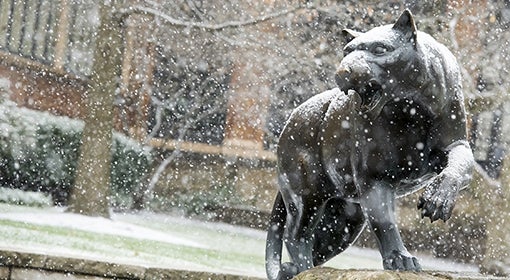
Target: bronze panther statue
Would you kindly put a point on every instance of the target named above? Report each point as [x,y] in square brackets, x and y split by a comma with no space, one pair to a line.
[396,123]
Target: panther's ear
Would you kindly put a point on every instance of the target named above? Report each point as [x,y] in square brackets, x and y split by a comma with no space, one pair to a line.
[406,25]
[350,34]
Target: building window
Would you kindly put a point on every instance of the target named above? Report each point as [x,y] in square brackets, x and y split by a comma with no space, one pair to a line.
[28,28]
[59,34]
[83,24]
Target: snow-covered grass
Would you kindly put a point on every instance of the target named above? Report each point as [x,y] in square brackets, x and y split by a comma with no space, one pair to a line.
[141,239]
[157,240]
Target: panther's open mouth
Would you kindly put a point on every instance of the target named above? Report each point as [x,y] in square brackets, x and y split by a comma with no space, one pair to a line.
[371,96]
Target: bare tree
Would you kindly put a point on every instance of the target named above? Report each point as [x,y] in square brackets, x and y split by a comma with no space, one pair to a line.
[89,195]
[195,63]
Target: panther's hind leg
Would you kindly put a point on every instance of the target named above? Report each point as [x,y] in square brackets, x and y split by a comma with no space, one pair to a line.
[303,215]
[301,186]
[340,225]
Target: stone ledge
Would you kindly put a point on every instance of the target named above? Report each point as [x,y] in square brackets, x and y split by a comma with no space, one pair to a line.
[327,273]
[16,265]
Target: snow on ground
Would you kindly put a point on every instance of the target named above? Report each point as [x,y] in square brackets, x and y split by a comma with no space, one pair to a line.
[151,239]
[97,225]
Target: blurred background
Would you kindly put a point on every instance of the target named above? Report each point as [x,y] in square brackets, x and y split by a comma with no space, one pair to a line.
[201,91]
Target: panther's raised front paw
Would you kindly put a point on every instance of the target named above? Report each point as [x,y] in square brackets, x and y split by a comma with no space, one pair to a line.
[288,271]
[401,261]
[438,199]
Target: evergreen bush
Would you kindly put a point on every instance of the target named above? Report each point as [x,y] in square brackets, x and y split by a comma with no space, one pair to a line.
[39,152]
[19,197]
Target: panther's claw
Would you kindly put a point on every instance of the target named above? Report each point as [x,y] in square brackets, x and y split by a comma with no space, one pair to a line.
[401,261]
[438,199]
[288,271]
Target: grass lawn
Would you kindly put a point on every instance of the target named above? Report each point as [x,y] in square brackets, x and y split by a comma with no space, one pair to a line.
[157,240]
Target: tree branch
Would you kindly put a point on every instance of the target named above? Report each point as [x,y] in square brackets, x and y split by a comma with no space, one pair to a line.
[209,26]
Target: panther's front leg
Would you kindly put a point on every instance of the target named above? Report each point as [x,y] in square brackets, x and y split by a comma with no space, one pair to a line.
[377,202]
[438,199]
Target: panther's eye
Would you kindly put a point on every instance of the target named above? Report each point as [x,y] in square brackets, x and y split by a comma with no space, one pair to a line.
[379,50]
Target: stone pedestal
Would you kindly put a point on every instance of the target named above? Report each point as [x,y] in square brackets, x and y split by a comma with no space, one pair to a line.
[326,273]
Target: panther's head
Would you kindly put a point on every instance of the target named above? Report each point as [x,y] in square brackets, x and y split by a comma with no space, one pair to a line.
[381,64]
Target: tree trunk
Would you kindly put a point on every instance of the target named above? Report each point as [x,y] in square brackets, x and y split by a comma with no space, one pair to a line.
[89,195]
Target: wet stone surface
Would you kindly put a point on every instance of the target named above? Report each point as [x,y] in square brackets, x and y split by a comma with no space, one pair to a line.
[326,273]
[21,265]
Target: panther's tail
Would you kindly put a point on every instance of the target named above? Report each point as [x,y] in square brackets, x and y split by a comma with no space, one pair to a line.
[274,239]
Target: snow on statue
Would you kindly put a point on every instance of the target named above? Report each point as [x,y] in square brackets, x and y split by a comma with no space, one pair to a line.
[395,124]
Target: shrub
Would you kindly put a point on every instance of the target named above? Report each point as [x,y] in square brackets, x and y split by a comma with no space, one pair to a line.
[19,197]
[39,152]
[131,162]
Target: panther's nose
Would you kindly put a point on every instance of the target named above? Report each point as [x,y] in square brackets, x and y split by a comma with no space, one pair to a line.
[343,77]
[352,72]
[343,70]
